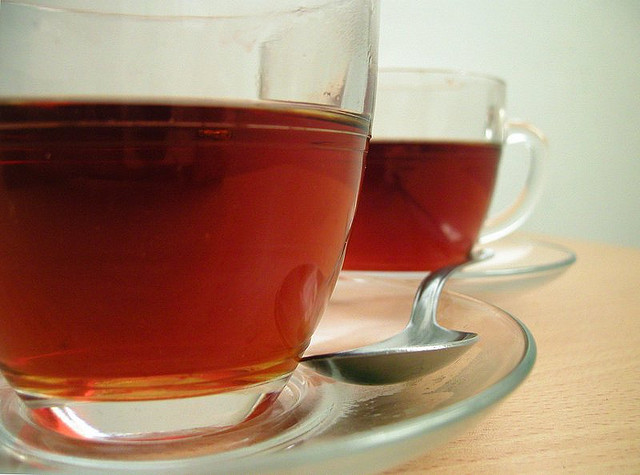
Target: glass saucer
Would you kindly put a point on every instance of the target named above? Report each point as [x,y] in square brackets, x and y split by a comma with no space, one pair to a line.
[514,255]
[518,263]
[319,425]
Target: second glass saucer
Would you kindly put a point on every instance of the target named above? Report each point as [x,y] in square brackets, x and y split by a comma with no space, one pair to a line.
[518,263]
[516,255]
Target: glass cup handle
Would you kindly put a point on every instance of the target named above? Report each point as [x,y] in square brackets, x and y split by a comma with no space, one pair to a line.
[513,216]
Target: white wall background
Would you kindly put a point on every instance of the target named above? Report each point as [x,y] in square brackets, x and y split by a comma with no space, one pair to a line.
[573,69]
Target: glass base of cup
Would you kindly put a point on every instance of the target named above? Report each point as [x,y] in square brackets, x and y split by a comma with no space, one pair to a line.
[121,421]
[304,406]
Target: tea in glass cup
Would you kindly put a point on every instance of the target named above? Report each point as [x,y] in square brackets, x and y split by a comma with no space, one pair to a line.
[437,142]
[177,182]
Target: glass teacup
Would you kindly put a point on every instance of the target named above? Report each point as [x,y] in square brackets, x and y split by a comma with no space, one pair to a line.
[178,180]
[436,150]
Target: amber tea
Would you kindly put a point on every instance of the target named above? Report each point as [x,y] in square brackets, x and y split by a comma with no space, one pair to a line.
[163,251]
[422,204]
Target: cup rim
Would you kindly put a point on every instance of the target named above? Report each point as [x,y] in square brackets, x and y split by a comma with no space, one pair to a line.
[444,72]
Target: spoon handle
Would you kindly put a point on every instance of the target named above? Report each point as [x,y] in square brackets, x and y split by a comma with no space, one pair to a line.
[425,303]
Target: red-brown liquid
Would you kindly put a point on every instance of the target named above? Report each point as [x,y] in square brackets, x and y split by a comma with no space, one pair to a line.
[422,204]
[153,251]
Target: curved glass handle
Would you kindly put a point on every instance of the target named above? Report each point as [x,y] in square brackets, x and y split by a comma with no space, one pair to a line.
[513,216]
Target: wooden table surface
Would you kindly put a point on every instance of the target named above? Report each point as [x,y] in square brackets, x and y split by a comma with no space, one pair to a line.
[579,410]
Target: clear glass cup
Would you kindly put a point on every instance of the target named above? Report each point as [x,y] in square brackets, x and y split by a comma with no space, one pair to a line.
[177,182]
[437,145]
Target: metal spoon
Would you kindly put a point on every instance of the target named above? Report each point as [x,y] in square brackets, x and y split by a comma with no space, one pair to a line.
[421,348]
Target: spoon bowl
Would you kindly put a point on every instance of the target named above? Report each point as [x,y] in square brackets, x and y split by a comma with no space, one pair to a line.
[422,347]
